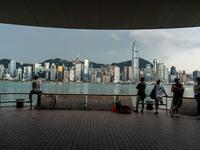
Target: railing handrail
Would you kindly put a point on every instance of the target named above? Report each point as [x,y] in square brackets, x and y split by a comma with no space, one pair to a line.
[88,94]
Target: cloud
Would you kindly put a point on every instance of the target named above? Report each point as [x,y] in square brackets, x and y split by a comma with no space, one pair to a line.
[178,47]
[114,36]
[110,52]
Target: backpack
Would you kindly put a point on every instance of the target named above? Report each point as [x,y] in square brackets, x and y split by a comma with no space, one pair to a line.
[153,92]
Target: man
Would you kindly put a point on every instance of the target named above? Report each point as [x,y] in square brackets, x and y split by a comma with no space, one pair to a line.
[36,89]
[178,90]
[197,96]
[159,94]
[140,94]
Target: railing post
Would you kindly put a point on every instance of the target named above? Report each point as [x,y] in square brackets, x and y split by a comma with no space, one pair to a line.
[30,102]
[0,100]
[166,105]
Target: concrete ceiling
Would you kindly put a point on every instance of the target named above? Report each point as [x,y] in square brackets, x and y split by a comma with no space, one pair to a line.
[102,14]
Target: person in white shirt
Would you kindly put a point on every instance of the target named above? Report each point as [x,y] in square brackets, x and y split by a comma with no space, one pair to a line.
[36,89]
[159,94]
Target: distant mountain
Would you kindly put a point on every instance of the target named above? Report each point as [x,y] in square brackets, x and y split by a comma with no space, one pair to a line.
[60,62]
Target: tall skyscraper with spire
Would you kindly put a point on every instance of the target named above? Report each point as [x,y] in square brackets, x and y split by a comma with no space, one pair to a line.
[135,62]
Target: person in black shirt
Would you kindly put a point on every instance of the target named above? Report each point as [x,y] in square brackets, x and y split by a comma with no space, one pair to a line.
[140,94]
[178,90]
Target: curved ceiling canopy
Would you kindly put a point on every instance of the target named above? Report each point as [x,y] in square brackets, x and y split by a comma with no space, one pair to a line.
[102,14]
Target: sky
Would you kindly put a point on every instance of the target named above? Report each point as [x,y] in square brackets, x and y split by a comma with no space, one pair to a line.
[173,47]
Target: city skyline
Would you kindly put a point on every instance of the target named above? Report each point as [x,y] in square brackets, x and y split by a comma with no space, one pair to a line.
[173,47]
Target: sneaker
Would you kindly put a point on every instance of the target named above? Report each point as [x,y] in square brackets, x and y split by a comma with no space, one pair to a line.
[176,114]
[141,111]
[136,111]
[172,113]
[156,113]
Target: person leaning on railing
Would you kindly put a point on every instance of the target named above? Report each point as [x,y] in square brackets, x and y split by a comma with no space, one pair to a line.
[178,90]
[197,96]
[36,89]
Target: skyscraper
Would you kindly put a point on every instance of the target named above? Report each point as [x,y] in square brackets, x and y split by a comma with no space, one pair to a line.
[155,62]
[135,62]
[148,73]
[78,72]
[12,68]
[1,71]
[173,70]
[86,70]
[71,74]
[19,73]
[117,75]
[60,73]
[27,75]
[160,71]
[53,72]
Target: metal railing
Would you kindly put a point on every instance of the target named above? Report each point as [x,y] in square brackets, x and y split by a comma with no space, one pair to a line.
[31,101]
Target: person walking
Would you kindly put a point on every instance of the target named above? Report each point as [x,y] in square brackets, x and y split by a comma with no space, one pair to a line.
[36,89]
[197,96]
[140,94]
[177,90]
[159,94]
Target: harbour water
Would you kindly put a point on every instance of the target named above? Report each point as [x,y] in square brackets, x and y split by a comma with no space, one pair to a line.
[79,88]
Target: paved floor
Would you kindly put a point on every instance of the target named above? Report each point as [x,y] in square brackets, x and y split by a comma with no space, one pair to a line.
[69,129]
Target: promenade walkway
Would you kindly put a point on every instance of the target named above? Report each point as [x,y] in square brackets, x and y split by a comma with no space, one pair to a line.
[72,129]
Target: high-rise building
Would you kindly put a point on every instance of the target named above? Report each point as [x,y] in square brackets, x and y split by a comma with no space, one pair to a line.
[166,75]
[27,75]
[86,70]
[1,71]
[125,75]
[173,71]
[78,71]
[66,75]
[148,73]
[60,73]
[155,62]
[12,68]
[46,65]
[71,74]
[160,72]
[36,65]
[135,62]
[19,73]
[129,73]
[53,72]
[116,75]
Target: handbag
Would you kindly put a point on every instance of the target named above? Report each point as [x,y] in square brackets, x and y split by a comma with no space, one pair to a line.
[153,93]
[144,96]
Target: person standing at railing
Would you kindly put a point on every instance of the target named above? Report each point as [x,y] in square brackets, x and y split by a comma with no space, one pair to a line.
[197,96]
[159,90]
[141,95]
[178,90]
[36,89]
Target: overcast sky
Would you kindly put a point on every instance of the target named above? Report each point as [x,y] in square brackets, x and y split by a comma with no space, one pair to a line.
[178,47]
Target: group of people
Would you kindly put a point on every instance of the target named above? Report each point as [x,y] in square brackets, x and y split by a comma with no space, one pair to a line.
[177,89]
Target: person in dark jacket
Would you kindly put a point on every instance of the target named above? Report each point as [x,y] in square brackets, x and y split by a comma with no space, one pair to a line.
[178,90]
[140,94]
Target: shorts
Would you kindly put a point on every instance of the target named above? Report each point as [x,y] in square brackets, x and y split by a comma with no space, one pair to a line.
[157,100]
[177,101]
[140,98]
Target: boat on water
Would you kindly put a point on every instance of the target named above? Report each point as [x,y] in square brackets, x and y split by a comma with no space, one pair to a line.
[59,83]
